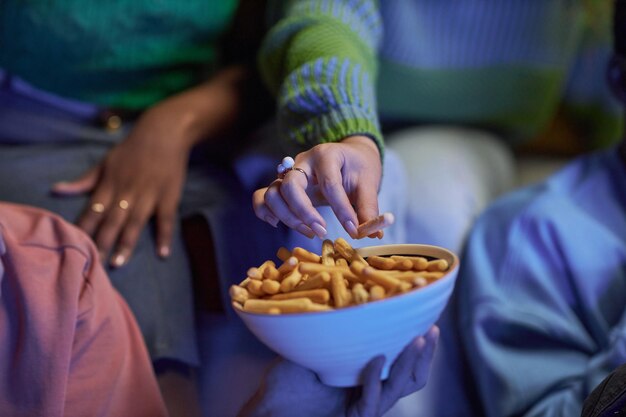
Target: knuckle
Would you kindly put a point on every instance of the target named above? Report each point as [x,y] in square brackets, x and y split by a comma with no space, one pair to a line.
[327,183]
[104,243]
[322,149]
[258,196]
[135,221]
[259,209]
[271,194]
[288,189]
[128,240]
[166,221]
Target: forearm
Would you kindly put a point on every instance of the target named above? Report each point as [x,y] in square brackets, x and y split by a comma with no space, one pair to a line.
[209,109]
[321,64]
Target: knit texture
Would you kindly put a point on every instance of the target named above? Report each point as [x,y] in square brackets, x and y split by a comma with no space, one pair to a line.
[320,60]
[507,66]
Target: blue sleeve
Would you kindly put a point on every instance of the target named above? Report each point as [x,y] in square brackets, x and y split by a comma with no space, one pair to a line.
[536,339]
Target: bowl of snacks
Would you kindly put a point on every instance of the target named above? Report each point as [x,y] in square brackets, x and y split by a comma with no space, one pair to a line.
[335,311]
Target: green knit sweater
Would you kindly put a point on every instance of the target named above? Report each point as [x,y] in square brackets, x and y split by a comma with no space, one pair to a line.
[340,66]
[123,53]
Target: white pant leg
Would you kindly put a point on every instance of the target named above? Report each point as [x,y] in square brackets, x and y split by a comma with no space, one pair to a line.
[453,173]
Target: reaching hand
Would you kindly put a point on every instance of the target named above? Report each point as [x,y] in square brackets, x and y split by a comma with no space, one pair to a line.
[345,175]
[289,389]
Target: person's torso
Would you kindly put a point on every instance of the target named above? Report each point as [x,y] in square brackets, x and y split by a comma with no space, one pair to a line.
[507,65]
[124,53]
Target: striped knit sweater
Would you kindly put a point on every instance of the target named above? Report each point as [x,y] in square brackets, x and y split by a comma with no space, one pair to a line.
[339,67]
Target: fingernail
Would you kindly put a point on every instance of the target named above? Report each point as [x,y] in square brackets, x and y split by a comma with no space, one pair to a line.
[118,260]
[351,229]
[272,220]
[164,251]
[319,230]
[420,343]
[305,230]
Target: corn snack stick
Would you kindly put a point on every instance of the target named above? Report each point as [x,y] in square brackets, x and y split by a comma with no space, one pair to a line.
[341,262]
[288,265]
[305,256]
[357,267]
[313,268]
[437,265]
[407,276]
[255,287]
[390,283]
[270,286]
[360,294]
[419,263]
[377,292]
[257,273]
[238,294]
[293,305]
[420,282]
[319,280]
[328,251]
[320,296]
[291,280]
[345,250]
[403,265]
[339,290]
[380,262]
[374,225]
[431,276]
[270,272]
[283,253]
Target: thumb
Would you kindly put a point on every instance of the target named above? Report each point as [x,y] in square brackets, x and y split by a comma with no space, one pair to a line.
[83,184]
[369,403]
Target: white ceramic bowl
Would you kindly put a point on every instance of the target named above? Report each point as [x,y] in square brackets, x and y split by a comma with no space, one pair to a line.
[338,344]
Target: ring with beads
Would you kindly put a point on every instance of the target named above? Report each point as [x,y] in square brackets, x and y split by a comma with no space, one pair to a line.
[287,165]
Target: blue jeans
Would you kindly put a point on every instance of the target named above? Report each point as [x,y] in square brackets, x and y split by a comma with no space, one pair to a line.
[45,139]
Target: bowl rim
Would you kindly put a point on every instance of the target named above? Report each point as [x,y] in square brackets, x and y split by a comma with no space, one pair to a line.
[372,304]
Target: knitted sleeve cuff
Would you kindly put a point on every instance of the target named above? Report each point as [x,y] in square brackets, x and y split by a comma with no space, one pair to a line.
[332,126]
[326,100]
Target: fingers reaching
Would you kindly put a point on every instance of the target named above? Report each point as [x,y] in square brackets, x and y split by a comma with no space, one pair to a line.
[331,185]
[343,175]
[286,200]
[293,192]
[277,206]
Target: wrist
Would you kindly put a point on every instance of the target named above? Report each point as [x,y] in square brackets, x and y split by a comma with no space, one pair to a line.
[205,111]
[363,140]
